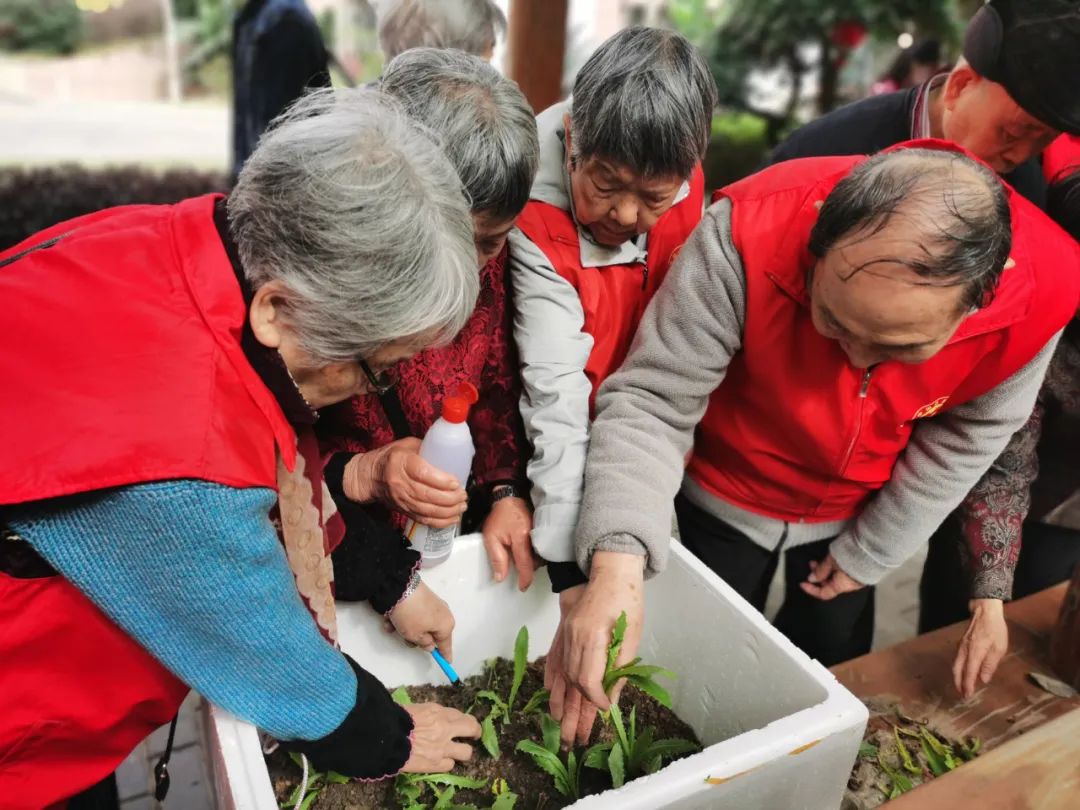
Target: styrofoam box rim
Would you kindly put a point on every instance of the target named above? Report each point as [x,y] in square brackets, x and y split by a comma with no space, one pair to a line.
[243,781]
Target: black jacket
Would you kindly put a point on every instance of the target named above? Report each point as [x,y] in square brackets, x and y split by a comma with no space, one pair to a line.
[872,124]
[277,54]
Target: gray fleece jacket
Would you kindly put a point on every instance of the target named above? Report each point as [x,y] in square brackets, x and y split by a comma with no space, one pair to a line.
[647,412]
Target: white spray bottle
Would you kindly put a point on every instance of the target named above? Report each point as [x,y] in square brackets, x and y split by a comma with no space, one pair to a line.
[448,446]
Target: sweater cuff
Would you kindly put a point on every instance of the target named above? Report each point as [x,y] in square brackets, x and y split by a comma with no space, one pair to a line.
[621,543]
[565,575]
[993,584]
[856,561]
[374,740]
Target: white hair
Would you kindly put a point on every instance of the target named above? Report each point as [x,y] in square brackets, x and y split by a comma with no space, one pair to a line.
[353,206]
[467,25]
[487,127]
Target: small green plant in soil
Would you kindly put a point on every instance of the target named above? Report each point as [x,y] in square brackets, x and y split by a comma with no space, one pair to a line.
[897,755]
[503,708]
[316,782]
[530,772]
[409,788]
[631,755]
[565,773]
[640,675]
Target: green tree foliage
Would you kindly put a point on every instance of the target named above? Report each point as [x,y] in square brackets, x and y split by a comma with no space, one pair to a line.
[51,26]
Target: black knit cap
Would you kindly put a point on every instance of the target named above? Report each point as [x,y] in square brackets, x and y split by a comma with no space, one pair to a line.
[1032,48]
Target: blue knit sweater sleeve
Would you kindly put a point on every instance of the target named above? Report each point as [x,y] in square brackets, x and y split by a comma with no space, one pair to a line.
[195,573]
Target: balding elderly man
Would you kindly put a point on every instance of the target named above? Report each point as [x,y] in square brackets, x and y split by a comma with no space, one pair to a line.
[841,349]
[1010,94]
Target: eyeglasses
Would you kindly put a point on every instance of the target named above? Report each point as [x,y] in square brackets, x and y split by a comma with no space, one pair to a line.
[381,382]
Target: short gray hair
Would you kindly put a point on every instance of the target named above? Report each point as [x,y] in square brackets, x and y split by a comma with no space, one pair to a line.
[487,128]
[356,210]
[645,100]
[467,25]
[961,208]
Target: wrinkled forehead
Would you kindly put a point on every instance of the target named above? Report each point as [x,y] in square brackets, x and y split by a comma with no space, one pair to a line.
[626,178]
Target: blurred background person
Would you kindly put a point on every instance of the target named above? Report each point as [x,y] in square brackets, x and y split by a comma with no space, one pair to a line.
[472,26]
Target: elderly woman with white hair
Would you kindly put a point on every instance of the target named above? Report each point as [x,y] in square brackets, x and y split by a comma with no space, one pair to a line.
[165,358]
[472,26]
[489,134]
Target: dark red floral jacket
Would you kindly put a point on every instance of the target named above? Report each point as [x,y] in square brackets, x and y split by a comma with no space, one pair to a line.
[483,354]
[1036,471]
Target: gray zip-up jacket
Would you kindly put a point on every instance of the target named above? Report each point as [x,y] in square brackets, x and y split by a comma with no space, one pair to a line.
[648,409]
[554,349]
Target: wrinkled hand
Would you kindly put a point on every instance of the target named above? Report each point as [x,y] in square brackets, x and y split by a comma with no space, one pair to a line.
[827,580]
[425,620]
[616,583]
[984,644]
[506,537]
[396,476]
[435,731]
[575,714]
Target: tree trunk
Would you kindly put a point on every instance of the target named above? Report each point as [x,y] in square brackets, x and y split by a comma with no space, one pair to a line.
[536,43]
[830,77]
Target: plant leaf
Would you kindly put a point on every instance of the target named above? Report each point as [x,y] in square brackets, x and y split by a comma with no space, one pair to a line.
[868,749]
[597,756]
[652,688]
[905,755]
[505,799]
[521,660]
[572,772]
[640,748]
[334,778]
[617,767]
[488,736]
[443,798]
[620,731]
[933,759]
[547,762]
[539,698]
[651,765]
[550,730]
[401,696]
[493,699]
[618,633]
[672,747]
[309,800]
[295,757]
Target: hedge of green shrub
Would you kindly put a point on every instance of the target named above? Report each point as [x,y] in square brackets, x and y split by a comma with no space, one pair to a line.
[52,26]
[35,198]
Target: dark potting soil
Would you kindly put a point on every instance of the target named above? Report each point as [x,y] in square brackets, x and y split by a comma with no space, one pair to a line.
[533,786]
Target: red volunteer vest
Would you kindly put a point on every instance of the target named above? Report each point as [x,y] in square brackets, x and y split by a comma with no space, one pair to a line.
[613,298]
[1061,157]
[795,432]
[121,364]
[132,322]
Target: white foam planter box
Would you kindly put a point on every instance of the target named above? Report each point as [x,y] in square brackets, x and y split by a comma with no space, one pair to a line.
[779,731]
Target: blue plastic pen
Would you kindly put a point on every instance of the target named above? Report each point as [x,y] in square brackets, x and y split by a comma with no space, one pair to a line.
[444,665]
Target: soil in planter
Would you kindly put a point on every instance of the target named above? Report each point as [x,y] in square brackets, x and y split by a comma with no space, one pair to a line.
[881,764]
[533,786]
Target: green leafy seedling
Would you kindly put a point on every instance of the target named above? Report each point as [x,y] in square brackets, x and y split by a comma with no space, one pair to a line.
[537,702]
[565,775]
[631,754]
[969,750]
[316,783]
[901,784]
[401,697]
[409,789]
[505,799]
[501,708]
[868,750]
[640,675]
[905,755]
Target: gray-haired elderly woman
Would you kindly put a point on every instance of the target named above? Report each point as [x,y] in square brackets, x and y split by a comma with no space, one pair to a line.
[619,190]
[489,134]
[465,25]
[190,344]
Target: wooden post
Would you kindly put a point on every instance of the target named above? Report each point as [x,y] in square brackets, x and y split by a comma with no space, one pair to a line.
[536,42]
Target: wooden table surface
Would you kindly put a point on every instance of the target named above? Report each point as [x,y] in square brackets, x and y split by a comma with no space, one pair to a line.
[918,675]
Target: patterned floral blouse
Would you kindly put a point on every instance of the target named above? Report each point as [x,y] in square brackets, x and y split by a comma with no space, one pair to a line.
[1035,473]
